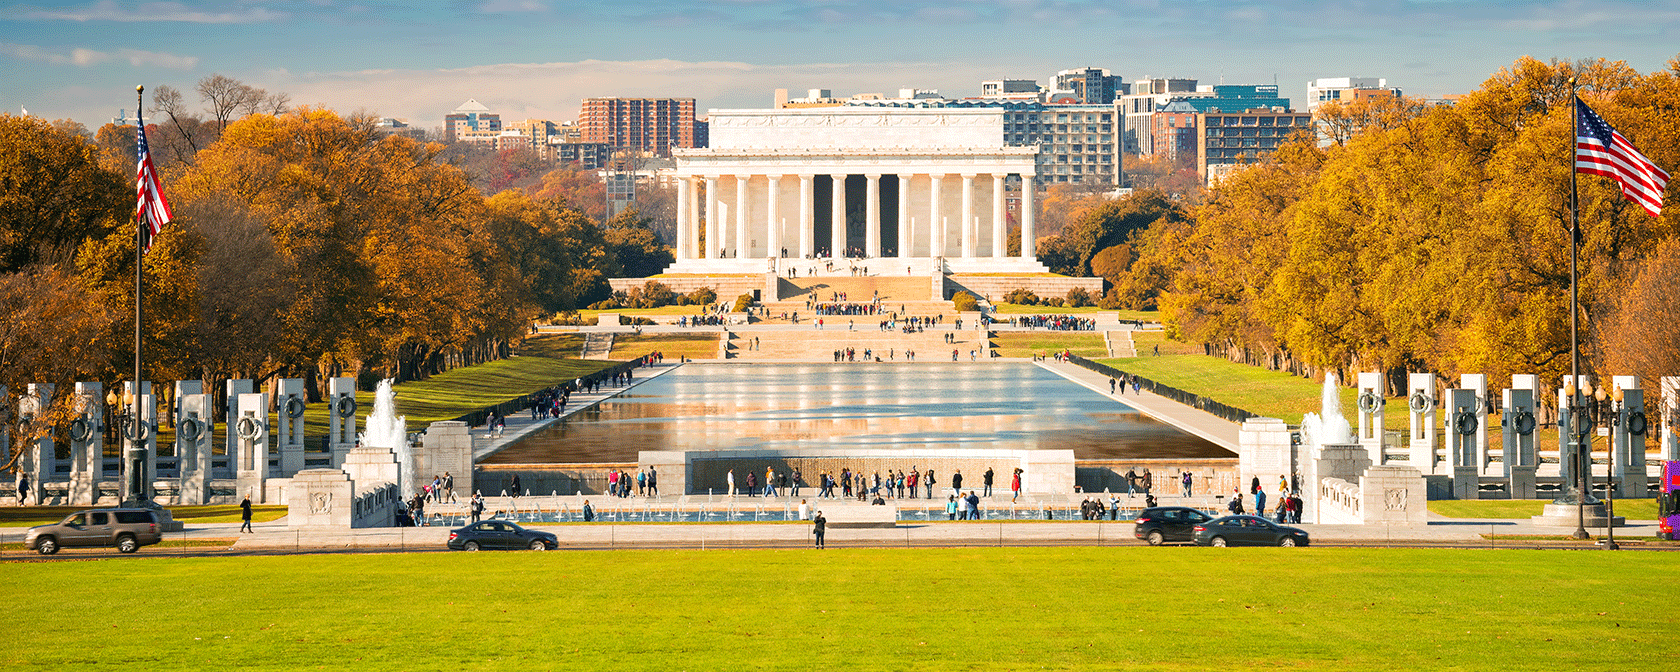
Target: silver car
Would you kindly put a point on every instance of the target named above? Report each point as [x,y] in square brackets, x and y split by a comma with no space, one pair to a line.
[126,529]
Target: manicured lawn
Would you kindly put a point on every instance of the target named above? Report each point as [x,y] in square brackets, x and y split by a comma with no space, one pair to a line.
[1082,343]
[931,609]
[692,346]
[452,394]
[1148,341]
[560,345]
[27,516]
[1270,393]
[1632,509]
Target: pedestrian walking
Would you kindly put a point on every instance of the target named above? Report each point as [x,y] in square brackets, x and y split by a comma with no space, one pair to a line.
[1015,485]
[819,526]
[245,516]
[477,506]
[986,481]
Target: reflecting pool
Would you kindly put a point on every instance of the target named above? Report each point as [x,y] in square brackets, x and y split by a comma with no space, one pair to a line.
[815,406]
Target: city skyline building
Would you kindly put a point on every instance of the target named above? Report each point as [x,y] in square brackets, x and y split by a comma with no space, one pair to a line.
[1228,140]
[653,125]
[1347,89]
[470,116]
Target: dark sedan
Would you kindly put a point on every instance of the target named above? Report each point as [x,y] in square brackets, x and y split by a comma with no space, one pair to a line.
[1248,531]
[500,534]
[1162,524]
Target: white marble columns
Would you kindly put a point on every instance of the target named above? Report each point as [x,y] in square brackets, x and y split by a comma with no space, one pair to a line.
[807,216]
[749,216]
[968,225]
[683,223]
[1029,243]
[773,217]
[743,244]
[714,227]
[837,224]
[904,221]
[872,216]
[936,221]
[1000,225]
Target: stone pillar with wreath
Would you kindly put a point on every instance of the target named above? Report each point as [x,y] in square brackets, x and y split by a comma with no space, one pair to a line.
[341,418]
[251,456]
[288,425]
[87,444]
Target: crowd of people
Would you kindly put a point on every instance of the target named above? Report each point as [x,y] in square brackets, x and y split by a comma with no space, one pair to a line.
[621,484]
[1056,322]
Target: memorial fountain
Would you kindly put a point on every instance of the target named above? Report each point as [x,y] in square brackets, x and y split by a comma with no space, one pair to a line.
[1328,426]
[385,429]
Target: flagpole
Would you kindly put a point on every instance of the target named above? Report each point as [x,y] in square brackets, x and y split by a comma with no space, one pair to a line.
[1577,439]
[136,456]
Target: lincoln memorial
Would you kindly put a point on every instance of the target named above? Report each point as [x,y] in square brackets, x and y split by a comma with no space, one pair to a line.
[923,185]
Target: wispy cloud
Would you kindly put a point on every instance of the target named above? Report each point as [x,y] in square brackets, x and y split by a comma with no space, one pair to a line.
[512,6]
[147,12]
[90,57]
[555,90]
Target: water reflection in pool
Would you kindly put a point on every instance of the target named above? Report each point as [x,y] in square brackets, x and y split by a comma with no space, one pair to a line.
[815,406]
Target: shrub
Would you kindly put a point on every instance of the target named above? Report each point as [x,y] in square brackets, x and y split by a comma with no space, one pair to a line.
[965,302]
[1079,298]
[1053,302]
[701,297]
[1023,297]
[655,294]
[743,302]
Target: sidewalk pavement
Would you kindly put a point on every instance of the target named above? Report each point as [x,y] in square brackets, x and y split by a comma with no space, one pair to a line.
[520,424]
[277,536]
[1219,431]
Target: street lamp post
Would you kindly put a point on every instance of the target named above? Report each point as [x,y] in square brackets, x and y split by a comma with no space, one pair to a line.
[1580,450]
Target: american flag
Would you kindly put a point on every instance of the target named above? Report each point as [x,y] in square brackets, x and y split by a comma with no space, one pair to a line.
[1600,150]
[151,209]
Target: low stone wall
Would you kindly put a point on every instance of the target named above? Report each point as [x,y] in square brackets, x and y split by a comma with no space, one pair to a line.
[1210,477]
[1339,503]
[993,287]
[545,479]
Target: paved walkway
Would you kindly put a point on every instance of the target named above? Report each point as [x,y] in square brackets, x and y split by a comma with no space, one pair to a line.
[276,536]
[520,424]
[1220,431]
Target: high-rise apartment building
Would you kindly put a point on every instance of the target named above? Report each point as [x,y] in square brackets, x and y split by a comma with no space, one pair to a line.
[1347,89]
[1078,144]
[1089,86]
[1226,140]
[654,125]
[470,116]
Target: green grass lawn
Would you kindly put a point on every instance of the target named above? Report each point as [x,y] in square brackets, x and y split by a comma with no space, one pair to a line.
[930,609]
[1082,343]
[1270,393]
[1632,509]
[692,346]
[560,345]
[454,393]
[1148,341]
[27,516]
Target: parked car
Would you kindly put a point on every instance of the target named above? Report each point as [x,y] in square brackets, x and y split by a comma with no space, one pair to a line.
[500,534]
[1163,524]
[1248,531]
[126,529]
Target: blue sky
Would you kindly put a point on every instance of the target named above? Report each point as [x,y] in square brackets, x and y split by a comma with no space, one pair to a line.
[540,58]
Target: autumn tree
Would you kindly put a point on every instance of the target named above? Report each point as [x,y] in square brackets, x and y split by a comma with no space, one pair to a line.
[54,193]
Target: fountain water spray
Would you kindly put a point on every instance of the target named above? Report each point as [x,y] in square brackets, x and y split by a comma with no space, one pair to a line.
[386,429]
[1328,427]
